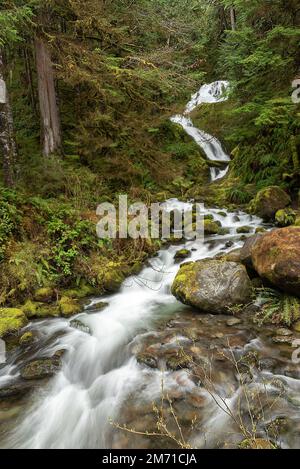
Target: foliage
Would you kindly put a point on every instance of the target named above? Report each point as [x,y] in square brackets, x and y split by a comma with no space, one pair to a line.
[9,219]
[278,308]
[260,59]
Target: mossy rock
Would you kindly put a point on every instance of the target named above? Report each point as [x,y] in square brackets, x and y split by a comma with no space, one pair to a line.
[111,277]
[244,229]
[209,217]
[12,320]
[69,307]
[79,293]
[285,217]
[268,201]
[36,310]
[96,307]
[40,369]
[182,254]
[26,339]
[211,227]
[44,295]
[213,286]
[224,231]
[79,325]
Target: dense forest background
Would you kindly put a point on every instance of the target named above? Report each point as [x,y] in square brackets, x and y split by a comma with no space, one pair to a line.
[90,87]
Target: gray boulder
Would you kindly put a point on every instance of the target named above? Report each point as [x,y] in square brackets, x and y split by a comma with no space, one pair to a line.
[213,286]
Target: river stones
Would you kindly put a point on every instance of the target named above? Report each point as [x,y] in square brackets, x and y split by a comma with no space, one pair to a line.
[182,254]
[268,201]
[244,229]
[213,286]
[42,368]
[79,325]
[211,227]
[276,258]
[14,391]
[27,339]
[96,307]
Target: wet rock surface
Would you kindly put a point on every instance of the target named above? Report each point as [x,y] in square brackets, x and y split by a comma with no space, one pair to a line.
[213,286]
[276,258]
[42,368]
[200,361]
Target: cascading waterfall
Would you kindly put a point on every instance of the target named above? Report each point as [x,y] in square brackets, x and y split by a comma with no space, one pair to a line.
[213,93]
[99,369]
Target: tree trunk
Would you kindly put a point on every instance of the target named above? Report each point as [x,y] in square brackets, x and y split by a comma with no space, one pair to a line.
[233,18]
[7,141]
[51,133]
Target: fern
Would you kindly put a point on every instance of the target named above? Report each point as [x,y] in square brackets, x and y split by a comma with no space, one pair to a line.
[278,308]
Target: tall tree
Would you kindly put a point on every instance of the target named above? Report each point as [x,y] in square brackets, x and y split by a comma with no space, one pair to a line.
[7,140]
[50,121]
[233,18]
[11,16]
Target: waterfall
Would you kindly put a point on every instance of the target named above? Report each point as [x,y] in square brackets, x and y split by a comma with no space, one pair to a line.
[212,93]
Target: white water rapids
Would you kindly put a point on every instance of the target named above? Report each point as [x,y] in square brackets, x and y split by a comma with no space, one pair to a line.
[100,371]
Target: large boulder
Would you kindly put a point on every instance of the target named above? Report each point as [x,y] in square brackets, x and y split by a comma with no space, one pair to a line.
[268,201]
[214,286]
[276,258]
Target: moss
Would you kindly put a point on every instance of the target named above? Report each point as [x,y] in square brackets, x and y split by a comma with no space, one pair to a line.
[69,307]
[111,277]
[12,320]
[44,295]
[26,339]
[224,231]
[184,281]
[268,201]
[79,293]
[40,369]
[244,229]
[36,310]
[182,254]
[285,217]
[211,227]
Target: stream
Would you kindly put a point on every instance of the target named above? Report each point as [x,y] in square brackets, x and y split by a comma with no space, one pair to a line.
[146,344]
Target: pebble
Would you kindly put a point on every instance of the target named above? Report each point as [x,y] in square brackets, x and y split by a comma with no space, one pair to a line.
[233,322]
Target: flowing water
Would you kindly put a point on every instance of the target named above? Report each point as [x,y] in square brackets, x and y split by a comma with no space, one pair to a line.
[213,93]
[105,379]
